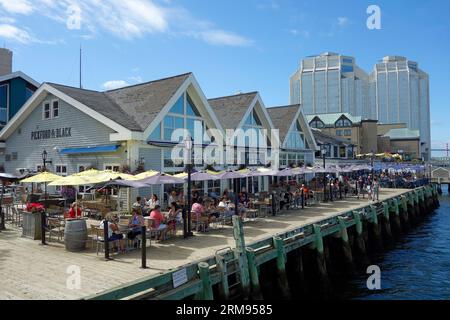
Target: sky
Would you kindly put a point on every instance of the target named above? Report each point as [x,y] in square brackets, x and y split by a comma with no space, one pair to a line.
[230,45]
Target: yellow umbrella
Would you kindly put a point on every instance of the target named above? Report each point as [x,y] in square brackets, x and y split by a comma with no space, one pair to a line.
[182,175]
[144,175]
[42,177]
[72,180]
[87,173]
[107,175]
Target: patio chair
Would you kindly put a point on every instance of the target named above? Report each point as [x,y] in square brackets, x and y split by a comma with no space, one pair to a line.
[55,227]
[198,221]
[100,240]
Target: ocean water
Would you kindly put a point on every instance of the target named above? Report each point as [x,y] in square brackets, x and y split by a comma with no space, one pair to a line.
[417,267]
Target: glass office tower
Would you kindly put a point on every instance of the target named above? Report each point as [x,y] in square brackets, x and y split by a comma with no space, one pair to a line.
[399,93]
[331,83]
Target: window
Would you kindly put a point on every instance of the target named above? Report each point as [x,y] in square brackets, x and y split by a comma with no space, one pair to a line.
[46,111]
[28,93]
[316,123]
[343,122]
[347,132]
[14,156]
[4,103]
[183,115]
[342,152]
[335,151]
[112,167]
[170,162]
[55,109]
[61,170]
[253,119]
[295,138]
[7,157]
[339,133]
[82,189]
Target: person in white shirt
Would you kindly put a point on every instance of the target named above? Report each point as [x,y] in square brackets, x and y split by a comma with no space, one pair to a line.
[153,202]
[224,206]
[112,229]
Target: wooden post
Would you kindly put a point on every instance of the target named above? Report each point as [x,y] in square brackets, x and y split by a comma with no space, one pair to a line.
[411,208]
[404,216]
[282,280]
[144,247]
[386,224]
[360,245]
[254,276]
[224,289]
[376,229]
[320,259]
[346,248]
[395,217]
[207,292]
[241,255]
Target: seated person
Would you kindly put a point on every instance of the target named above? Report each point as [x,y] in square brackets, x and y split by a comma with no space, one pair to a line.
[113,228]
[175,216]
[75,211]
[173,197]
[136,223]
[213,212]
[198,212]
[158,219]
[223,206]
[139,204]
[152,203]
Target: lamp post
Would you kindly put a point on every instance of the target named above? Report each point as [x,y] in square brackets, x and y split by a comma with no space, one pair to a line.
[324,152]
[188,145]
[43,215]
[371,163]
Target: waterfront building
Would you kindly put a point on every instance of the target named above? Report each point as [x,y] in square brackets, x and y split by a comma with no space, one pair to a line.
[362,133]
[337,150]
[15,88]
[399,93]
[330,83]
[403,141]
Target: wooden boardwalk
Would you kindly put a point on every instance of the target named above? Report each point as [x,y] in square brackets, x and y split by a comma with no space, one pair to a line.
[29,270]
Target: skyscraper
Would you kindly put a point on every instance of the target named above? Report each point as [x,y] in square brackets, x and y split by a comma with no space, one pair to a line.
[399,93]
[331,83]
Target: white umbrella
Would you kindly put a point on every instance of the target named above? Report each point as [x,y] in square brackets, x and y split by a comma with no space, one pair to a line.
[162,178]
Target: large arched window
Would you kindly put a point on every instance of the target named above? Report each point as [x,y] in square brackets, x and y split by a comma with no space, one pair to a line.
[295,138]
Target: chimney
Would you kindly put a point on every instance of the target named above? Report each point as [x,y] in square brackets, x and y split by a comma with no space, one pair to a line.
[6,57]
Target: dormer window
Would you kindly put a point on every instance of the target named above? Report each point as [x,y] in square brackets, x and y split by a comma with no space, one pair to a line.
[317,124]
[343,122]
[55,109]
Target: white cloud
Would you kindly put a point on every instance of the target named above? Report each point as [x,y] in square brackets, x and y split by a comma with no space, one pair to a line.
[17,6]
[11,32]
[221,37]
[342,21]
[130,19]
[272,4]
[302,33]
[114,84]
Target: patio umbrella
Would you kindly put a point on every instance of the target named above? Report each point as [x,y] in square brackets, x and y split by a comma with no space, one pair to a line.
[118,183]
[198,176]
[143,175]
[43,177]
[262,172]
[107,175]
[319,170]
[285,173]
[161,178]
[72,180]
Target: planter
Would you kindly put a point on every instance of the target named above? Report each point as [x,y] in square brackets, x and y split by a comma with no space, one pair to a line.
[31,225]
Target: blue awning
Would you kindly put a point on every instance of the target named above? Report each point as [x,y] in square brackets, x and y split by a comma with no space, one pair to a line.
[95,149]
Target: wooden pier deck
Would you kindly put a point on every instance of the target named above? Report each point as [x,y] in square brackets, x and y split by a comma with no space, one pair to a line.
[29,270]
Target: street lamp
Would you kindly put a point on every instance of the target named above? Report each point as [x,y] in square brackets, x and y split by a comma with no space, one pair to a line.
[44,160]
[371,163]
[323,149]
[188,146]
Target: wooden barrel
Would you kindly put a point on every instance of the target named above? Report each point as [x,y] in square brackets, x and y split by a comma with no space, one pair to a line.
[75,235]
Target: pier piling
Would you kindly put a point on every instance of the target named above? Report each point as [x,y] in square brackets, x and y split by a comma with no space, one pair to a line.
[359,243]
[254,276]
[282,281]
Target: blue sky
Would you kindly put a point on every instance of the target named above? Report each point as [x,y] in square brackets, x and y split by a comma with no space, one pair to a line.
[230,45]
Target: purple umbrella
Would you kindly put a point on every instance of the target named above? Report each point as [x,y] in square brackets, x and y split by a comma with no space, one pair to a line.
[162,178]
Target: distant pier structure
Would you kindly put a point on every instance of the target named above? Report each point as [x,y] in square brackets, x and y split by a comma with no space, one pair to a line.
[441,176]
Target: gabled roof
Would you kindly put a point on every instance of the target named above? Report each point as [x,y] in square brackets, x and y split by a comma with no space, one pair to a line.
[231,109]
[134,107]
[329,119]
[20,74]
[143,102]
[282,118]
[101,103]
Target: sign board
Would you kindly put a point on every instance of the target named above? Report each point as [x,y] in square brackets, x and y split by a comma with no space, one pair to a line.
[179,278]
[51,134]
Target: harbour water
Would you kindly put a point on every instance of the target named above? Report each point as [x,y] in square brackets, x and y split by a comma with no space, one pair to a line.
[417,267]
